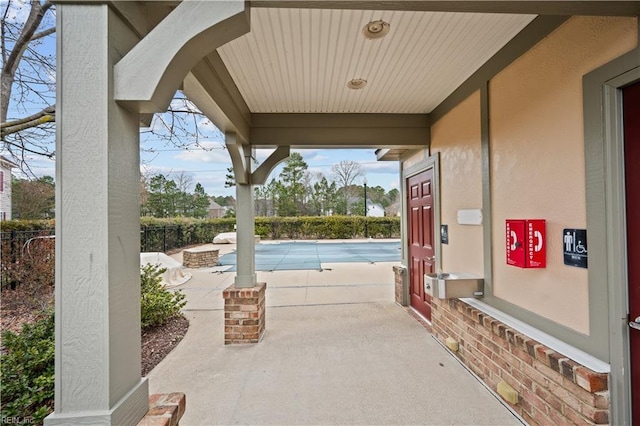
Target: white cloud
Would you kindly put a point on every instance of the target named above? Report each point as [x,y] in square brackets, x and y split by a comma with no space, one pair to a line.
[216,156]
[393,184]
[381,167]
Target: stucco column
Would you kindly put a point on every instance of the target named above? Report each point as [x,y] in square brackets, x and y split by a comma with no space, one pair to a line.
[245,229]
[97,227]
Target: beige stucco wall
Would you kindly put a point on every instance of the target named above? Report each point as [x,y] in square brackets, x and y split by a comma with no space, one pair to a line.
[456,137]
[415,158]
[537,159]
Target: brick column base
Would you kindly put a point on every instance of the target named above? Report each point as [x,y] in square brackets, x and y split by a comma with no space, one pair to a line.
[164,410]
[400,273]
[244,314]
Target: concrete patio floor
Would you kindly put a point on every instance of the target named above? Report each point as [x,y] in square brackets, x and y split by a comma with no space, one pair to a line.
[337,350]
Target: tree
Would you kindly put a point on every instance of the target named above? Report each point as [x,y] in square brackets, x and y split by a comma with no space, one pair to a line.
[163,195]
[200,202]
[225,201]
[291,187]
[184,200]
[33,199]
[28,89]
[230,178]
[323,197]
[346,173]
[28,79]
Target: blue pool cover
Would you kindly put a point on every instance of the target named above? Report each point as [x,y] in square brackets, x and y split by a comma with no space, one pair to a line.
[298,255]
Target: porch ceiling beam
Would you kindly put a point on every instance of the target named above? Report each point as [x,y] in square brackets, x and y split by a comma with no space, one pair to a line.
[147,77]
[259,177]
[210,87]
[571,7]
[340,130]
[237,154]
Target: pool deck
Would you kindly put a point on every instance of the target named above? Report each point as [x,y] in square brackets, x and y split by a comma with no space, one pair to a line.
[337,350]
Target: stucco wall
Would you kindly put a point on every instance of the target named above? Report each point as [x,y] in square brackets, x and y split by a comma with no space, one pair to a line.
[537,159]
[415,158]
[457,138]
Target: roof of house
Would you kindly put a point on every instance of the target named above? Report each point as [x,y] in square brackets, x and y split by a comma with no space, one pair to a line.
[7,163]
[215,206]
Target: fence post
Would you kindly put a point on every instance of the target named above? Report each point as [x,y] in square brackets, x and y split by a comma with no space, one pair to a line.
[164,238]
[13,248]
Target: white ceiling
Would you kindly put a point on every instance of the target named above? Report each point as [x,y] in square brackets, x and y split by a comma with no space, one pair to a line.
[300,60]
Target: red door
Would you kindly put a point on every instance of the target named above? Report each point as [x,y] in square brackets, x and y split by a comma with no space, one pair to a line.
[421,246]
[631,106]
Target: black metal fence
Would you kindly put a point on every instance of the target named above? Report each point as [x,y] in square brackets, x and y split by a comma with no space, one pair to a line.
[14,243]
[170,237]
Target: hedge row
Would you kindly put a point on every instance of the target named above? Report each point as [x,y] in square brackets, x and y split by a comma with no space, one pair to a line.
[169,234]
[327,227]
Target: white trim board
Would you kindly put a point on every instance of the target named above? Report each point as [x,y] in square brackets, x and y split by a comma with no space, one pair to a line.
[572,352]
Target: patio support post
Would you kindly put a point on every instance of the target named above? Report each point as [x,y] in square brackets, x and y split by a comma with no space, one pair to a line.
[97,360]
[245,228]
[244,300]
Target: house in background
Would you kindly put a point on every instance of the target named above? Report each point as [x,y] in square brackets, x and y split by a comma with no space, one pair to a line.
[5,188]
[215,211]
[374,209]
[393,209]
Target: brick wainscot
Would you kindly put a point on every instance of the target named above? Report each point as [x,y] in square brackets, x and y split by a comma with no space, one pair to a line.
[540,384]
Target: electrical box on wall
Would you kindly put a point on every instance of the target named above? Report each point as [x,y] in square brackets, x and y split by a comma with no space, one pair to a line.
[526,243]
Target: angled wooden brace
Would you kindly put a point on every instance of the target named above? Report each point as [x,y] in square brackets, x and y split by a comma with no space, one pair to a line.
[260,175]
[237,154]
[147,77]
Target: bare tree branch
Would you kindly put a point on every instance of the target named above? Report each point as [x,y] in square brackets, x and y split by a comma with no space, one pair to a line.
[28,110]
[47,115]
[22,148]
[44,33]
[10,66]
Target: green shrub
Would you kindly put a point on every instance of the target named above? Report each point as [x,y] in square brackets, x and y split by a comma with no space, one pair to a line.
[27,361]
[27,367]
[157,304]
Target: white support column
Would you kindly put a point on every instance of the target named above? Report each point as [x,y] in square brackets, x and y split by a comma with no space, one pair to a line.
[98,378]
[245,229]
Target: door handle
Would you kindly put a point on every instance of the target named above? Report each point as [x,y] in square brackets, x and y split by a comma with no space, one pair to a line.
[635,324]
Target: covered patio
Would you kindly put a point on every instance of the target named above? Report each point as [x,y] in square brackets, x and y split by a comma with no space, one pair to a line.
[269,74]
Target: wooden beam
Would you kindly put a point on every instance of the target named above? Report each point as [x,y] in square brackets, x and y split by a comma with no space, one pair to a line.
[564,8]
[340,130]
[210,87]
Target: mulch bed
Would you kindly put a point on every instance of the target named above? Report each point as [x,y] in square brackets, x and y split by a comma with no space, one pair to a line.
[158,341]
[19,307]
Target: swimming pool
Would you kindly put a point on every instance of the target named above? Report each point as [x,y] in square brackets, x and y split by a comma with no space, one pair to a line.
[302,255]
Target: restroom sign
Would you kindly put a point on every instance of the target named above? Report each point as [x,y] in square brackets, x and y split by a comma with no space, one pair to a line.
[574,243]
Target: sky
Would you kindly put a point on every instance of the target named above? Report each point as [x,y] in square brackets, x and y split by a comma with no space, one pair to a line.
[209,167]
[207,163]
